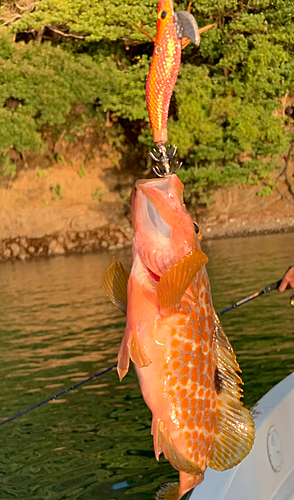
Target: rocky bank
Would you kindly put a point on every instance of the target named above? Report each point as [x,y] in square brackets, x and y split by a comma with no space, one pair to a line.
[68,209]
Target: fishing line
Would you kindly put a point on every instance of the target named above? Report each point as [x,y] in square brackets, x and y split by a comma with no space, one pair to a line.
[55,396]
[267,289]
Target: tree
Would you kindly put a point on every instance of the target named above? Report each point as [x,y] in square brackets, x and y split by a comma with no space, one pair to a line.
[224,115]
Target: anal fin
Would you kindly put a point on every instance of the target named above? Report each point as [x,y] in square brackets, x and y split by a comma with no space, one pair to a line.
[175,281]
[115,281]
[173,455]
[234,425]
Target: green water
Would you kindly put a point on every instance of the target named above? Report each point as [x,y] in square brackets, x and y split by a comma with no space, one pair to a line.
[57,327]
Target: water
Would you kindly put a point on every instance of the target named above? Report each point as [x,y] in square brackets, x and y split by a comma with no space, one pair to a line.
[57,327]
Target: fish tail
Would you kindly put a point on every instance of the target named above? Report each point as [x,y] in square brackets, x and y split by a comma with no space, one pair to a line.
[168,491]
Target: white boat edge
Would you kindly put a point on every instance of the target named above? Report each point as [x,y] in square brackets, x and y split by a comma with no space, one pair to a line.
[267,473]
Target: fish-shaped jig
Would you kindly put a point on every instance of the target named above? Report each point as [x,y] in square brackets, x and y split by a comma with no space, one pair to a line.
[174,31]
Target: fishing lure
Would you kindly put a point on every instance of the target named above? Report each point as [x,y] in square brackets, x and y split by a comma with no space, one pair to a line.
[174,32]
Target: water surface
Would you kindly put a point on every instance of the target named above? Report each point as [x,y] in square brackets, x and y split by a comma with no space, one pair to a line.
[57,327]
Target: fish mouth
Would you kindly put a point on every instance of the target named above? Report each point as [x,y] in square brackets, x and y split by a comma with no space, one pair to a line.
[152,194]
[164,231]
[155,221]
[151,205]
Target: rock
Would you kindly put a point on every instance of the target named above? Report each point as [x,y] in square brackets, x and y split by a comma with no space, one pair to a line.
[104,244]
[31,250]
[72,235]
[23,255]
[7,252]
[23,242]
[15,248]
[70,245]
[81,235]
[55,248]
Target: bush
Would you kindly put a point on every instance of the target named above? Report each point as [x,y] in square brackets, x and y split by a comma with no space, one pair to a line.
[224,116]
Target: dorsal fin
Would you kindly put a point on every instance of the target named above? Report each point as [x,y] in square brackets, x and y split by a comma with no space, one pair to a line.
[234,427]
[115,281]
[175,281]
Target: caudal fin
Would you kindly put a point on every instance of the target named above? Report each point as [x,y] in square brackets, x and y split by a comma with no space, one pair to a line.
[168,491]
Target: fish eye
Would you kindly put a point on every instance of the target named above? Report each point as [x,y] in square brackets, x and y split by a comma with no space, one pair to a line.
[163,14]
[197,231]
[158,50]
[197,228]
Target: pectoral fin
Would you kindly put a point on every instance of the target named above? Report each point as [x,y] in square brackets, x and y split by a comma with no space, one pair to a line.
[123,361]
[137,352]
[175,281]
[131,347]
[115,282]
[234,427]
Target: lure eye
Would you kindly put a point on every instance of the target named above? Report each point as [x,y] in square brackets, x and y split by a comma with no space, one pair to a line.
[163,14]
[158,50]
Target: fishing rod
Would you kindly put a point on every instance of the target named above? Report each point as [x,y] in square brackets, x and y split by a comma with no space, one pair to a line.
[267,289]
[55,396]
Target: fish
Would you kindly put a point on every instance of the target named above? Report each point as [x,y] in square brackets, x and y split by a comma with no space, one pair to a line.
[185,364]
[165,64]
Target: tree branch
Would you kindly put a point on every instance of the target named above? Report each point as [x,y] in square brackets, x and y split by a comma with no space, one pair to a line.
[70,35]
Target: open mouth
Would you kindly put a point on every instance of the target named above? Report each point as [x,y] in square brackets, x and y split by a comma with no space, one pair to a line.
[156,221]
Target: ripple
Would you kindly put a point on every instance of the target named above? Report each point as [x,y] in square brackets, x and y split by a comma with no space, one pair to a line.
[57,327]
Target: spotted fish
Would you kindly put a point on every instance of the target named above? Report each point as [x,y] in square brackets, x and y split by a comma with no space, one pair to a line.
[185,364]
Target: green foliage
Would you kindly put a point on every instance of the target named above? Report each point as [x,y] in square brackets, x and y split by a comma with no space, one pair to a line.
[56,191]
[7,167]
[98,194]
[225,116]
[42,173]
[82,172]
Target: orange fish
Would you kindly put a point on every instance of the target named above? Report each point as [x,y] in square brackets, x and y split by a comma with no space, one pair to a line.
[184,362]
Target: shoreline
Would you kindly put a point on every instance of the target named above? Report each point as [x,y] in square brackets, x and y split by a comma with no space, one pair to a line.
[113,237]
[92,213]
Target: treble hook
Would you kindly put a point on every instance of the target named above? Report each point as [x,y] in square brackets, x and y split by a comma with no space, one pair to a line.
[166,158]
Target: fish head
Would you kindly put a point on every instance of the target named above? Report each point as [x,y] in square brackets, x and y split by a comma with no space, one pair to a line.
[165,14]
[164,231]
